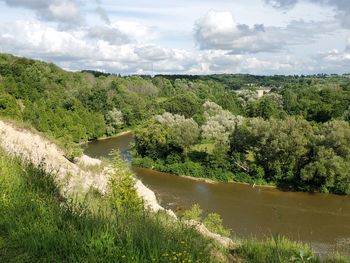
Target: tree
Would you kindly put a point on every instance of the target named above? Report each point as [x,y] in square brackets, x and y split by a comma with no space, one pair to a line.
[123,193]
[270,105]
[346,115]
[219,123]
[183,132]
[153,141]
[327,172]
[9,107]
[186,104]
[114,121]
[336,135]
[278,146]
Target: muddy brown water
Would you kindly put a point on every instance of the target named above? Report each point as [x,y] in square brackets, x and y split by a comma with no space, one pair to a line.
[321,220]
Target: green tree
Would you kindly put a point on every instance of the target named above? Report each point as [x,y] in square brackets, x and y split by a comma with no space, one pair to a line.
[186,104]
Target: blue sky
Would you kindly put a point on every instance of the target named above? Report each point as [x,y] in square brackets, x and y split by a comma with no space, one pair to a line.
[183,36]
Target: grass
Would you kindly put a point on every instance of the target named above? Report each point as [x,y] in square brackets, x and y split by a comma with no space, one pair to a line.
[279,249]
[36,227]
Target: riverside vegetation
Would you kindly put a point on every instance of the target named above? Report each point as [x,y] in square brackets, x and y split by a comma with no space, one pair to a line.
[200,123]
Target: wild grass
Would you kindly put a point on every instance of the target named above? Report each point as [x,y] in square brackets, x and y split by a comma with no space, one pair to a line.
[36,227]
[280,249]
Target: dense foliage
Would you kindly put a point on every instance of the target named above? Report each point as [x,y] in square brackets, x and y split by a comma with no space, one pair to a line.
[294,152]
[290,152]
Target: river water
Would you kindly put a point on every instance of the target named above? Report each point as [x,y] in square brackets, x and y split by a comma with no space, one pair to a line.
[321,220]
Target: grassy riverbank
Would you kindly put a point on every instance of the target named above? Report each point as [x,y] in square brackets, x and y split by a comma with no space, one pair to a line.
[196,171]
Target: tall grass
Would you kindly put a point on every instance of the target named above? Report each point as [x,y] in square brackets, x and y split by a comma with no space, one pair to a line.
[36,227]
[278,250]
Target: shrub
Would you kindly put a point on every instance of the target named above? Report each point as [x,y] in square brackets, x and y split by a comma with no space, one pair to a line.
[212,221]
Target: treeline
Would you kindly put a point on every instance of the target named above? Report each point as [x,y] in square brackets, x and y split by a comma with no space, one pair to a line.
[198,119]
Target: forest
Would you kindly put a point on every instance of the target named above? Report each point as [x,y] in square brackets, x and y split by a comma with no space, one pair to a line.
[295,136]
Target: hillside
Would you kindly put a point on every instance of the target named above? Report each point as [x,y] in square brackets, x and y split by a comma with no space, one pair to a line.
[45,162]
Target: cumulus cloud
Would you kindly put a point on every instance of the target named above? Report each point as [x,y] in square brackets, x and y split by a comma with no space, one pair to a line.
[75,50]
[122,32]
[283,4]
[334,61]
[219,30]
[342,7]
[112,35]
[33,38]
[220,61]
[154,53]
[64,11]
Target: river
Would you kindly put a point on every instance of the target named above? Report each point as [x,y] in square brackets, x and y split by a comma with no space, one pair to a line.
[321,220]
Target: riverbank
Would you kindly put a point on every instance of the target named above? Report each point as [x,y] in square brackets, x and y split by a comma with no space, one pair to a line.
[201,179]
[211,181]
[128,131]
[148,164]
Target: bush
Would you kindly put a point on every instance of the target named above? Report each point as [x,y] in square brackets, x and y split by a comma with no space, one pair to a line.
[145,162]
[212,221]
[195,213]
[188,168]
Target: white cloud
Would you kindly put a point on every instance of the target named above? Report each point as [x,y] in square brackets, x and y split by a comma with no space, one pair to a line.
[72,49]
[35,38]
[283,4]
[63,11]
[218,30]
[112,35]
[342,7]
[154,53]
[334,60]
[221,62]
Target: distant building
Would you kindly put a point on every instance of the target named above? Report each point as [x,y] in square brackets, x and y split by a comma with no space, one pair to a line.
[262,92]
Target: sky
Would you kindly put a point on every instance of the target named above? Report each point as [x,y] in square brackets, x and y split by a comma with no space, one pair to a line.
[263,37]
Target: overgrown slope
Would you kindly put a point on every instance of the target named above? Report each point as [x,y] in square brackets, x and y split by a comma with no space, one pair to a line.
[36,227]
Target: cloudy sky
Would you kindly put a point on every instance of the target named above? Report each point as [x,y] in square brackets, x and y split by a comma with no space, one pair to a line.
[181,36]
